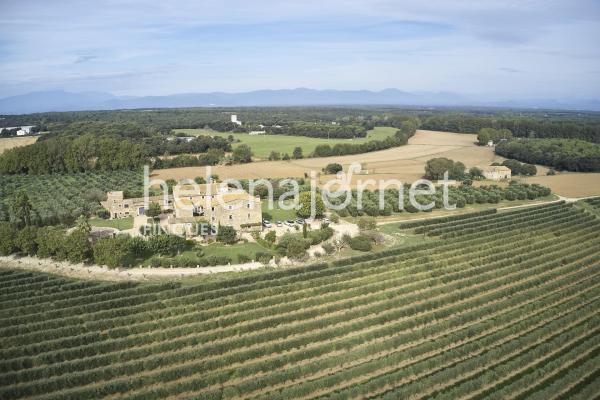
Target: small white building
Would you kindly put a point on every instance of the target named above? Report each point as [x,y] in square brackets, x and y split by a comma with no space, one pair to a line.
[496,172]
[256,132]
[490,143]
[235,120]
[23,130]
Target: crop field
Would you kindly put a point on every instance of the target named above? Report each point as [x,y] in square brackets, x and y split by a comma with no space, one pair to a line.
[570,184]
[9,143]
[500,305]
[406,163]
[60,198]
[262,145]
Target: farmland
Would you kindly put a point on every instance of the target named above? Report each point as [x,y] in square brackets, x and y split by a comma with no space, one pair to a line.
[9,143]
[406,163]
[61,198]
[501,305]
[262,145]
[570,184]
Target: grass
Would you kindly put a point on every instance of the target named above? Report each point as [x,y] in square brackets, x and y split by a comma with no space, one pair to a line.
[120,224]
[276,214]
[233,251]
[262,145]
[218,249]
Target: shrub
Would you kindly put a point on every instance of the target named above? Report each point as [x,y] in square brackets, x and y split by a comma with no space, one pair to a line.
[263,258]
[113,252]
[186,260]
[296,250]
[226,234]
[25,240]
[102,213]
[166,244]
[335,218]
[297,153]
[366,223]
[333,168]
[138,246]
[77,246]
[243,259]
[270,237]
[217,260]
[328,248]
[7,239]
[360,243]
[320,235]
[242,154]
[49,241]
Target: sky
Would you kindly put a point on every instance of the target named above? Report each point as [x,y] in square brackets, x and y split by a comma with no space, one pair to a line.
[494,49]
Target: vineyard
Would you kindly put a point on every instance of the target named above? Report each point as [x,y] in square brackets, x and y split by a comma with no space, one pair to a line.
[62,198]
[502,305]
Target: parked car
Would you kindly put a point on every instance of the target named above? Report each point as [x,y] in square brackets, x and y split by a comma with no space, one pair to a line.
[325,220]
[266,223]
[300,221]
[289,222]
[279,223]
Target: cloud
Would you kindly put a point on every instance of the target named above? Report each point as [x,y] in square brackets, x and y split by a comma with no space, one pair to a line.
[233,45]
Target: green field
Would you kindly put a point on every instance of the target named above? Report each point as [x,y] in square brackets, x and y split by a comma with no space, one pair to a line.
[262,145]
[120,224]
[232,251]
[501,305]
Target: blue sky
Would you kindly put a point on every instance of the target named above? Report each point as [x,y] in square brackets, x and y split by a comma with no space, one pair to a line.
[494,49]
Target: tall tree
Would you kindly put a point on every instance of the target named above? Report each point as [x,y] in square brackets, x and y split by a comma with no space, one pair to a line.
[21,210]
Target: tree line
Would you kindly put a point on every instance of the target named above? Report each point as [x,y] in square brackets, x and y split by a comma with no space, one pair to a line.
[318,130]
[534,125]
[522,123]
[407,130]
[89,152]
[561,154]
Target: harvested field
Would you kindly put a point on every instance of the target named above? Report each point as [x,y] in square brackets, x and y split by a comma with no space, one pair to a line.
[9,143]
[406,163]
[575,184]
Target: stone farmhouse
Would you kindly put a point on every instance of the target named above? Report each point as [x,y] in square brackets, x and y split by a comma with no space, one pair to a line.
[218,206]
[496,172]
[194,203]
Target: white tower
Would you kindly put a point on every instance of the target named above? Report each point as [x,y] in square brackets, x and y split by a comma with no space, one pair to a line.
[235,120]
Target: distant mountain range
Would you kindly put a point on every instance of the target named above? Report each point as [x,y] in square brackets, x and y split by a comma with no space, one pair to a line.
[67,101]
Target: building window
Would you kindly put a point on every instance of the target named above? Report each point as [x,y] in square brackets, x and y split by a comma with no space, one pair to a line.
[126,206]
[248,205]
[230,216]
[248,216]
[212,208]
